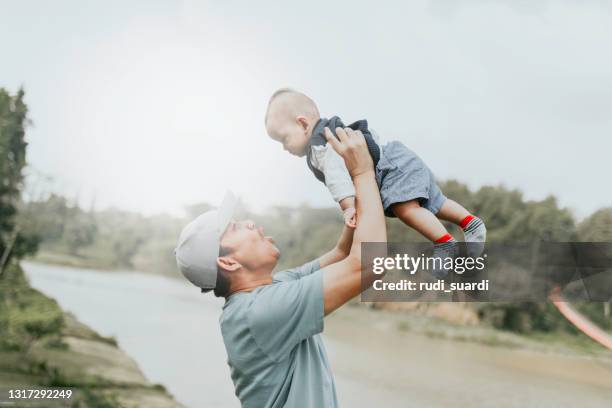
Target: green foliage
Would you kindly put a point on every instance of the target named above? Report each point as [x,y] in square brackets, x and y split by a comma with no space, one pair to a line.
[597,227]
[48,217]
[97,399]
[525,317]
[13,122]
[510,218]
[26,314]
[105,239]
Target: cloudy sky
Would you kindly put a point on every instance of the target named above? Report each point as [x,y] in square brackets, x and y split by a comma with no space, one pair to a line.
[151,105]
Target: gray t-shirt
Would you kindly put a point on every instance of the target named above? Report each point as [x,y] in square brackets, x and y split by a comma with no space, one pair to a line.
[275,352]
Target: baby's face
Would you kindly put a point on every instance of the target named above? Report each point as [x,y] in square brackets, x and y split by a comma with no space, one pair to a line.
[291,134]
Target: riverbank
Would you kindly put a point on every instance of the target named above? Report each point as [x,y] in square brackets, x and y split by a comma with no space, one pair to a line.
[43,346]
[377,357]
[451,321]
[62,259]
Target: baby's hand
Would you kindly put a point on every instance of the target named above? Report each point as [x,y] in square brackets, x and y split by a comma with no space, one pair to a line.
[350,217]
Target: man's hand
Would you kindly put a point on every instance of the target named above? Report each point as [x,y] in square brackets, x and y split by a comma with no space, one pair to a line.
[353,149]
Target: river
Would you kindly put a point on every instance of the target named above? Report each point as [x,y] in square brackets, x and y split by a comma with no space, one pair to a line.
[172,332]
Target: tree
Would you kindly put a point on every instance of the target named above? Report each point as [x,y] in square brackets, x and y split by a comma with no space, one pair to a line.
[597,227]
[46,217]
[79,231]
[13,123]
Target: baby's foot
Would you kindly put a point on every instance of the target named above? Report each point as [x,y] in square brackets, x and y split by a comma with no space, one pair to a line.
[475,234]
[442,251]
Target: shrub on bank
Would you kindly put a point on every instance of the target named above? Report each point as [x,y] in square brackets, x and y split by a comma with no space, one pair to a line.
[25,314]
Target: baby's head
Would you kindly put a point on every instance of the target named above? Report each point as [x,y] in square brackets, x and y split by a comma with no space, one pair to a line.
[290,118]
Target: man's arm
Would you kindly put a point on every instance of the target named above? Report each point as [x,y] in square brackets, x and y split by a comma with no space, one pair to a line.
[342,280]
[341,250]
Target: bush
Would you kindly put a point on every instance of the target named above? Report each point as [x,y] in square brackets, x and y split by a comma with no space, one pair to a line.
[525,317]
[25,314]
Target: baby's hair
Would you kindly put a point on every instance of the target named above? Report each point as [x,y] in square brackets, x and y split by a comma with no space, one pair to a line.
[298,103]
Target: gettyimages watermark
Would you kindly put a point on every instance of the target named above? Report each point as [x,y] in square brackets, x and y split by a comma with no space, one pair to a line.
[499,272]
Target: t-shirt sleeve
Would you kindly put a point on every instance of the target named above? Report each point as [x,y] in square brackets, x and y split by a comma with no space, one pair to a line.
[286,313]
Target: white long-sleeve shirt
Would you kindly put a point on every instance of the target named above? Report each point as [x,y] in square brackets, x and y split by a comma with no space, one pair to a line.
[331,164]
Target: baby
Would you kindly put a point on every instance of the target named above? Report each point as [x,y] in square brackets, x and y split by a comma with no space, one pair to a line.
[407,186]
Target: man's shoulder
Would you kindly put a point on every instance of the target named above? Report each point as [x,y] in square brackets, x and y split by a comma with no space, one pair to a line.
[235,308]
[244,304]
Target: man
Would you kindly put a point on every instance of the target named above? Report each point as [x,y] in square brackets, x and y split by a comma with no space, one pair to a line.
[271,324]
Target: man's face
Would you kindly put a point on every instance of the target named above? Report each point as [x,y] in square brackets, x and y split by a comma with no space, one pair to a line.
[292,134]
[249,246]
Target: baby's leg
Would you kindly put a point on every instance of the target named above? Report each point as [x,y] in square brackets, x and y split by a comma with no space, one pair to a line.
[426,223]
[473,227]
[423,221]
[452,211]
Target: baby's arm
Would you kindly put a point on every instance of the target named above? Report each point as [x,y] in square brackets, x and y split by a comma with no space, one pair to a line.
[339,183]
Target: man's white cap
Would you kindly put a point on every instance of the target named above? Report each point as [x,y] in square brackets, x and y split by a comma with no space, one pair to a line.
[198,245]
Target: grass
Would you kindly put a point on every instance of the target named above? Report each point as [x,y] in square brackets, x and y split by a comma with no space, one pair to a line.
[26,314]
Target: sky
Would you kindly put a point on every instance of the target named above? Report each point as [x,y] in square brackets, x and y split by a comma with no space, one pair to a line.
[153,105]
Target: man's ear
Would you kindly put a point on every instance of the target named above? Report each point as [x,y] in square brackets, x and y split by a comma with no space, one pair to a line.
[303,122]
[228,264]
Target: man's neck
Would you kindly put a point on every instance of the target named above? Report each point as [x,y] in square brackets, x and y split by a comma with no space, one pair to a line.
[251,285]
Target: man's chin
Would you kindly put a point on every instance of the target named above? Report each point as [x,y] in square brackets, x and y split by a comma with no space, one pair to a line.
[277,253]
[274,247]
